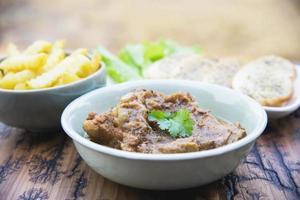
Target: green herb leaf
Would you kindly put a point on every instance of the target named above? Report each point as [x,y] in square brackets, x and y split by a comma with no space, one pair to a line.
[156,115]
[178,124]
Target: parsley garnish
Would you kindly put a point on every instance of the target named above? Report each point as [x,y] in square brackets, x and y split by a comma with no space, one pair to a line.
[178,124]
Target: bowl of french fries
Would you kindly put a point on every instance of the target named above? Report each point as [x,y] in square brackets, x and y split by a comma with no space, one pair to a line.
[36,84]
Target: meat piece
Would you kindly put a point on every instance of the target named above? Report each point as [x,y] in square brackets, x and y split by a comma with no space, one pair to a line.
[180,145]
[126,126]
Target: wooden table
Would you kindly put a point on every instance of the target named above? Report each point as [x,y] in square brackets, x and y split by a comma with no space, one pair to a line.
[47,166]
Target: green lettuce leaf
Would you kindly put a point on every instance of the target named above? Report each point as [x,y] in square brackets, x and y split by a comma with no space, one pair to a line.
[116,69]
[133,59]
[142,55]
[133,55]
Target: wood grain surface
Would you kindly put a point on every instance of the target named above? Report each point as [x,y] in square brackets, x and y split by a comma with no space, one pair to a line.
[47,166]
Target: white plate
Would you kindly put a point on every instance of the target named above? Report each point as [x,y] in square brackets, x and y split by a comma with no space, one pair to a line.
[291,106]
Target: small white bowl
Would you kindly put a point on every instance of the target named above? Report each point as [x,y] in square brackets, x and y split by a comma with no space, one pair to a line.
[40,110]
[289,107]
[166,171]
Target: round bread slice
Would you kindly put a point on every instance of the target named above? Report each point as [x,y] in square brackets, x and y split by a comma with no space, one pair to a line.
[223,72]
[165,68]
[277,64]
[214,71]
[269,80]
[194,67]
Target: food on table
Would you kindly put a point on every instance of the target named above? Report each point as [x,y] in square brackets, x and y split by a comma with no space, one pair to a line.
[269,80]
[263,79]
[194,67]
[57,54]
[133,59]
[44,65]
[12,80]
[23,62]
[148,121]
[39,46]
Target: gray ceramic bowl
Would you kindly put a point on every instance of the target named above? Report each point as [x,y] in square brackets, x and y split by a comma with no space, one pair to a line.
[40,110]
[166,171]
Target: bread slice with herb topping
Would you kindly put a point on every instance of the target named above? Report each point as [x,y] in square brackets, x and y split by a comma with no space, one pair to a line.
[194,67]
[269,80]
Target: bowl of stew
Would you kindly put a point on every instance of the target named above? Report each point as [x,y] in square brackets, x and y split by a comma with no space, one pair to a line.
[204,132]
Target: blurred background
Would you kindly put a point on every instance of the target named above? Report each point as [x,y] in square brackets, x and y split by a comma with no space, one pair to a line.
[234,28]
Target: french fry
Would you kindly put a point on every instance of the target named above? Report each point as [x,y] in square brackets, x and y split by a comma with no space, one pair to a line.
[54,58]
[81,65]
[22,62]
[12,50]
[96,59]
[57,54]
[70,64]
[87,66]
[48,78]
[39,46]
[67,78]
[87,70]
[10,80]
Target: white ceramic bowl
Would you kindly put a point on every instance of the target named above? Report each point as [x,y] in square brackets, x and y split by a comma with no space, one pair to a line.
[166,171]
[40,110]
[291,106]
